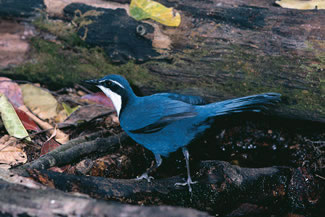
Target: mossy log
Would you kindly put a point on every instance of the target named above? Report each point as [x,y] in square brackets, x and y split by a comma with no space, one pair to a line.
[222,49]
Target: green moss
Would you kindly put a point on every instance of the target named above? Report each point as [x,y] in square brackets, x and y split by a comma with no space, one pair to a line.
[242,72]
[238,72]
[67,31]
[67,60]
[60,29]
[274,73]
[55,65]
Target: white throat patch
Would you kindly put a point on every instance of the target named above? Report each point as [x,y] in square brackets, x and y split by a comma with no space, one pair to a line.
[116,99]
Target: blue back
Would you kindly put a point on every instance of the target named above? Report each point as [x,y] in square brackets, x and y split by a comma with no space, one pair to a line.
[163,124]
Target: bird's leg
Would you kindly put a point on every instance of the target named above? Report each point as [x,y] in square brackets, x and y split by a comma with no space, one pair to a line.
[189,180]
[149,170]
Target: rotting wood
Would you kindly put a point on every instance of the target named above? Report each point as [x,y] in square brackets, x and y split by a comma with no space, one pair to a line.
[13,44]
[18,200]
[20,8]
[223,49]
[221,186]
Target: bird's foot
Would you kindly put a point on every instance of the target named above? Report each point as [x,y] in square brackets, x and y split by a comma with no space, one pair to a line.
[145,176]
[188,182]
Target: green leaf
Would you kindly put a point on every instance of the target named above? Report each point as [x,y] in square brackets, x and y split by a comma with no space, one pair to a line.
[145,9]
[11,120]
[68,109]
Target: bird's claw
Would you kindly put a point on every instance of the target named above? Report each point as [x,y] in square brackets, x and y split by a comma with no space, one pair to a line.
[188,182]
[145,176]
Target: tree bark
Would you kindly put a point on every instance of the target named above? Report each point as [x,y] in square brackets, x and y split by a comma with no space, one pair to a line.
[222,49]
[18,200]
[20,8]
[74,150]
[220,187]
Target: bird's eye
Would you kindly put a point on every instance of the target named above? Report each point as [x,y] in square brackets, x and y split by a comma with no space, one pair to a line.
[108,83]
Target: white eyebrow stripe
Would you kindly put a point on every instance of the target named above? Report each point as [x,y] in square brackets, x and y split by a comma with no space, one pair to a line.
[115,82]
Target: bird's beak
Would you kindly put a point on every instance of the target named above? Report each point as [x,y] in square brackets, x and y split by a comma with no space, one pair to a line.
[92,82]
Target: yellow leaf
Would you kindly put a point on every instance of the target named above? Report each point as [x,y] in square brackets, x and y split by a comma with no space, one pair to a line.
[11,120]
[302,4]
[41,102]
[68,109]
[144,9]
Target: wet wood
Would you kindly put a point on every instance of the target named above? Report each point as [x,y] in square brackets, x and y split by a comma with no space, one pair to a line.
[221,186]
[222,49]
[18,200]
[226,49]
[20,8]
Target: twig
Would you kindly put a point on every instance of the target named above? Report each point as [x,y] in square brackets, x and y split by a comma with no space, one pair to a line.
[60,136]
[83,88]
[59,126]
[75,150]
[321,177]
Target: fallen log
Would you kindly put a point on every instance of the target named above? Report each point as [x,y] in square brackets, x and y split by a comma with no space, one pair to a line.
[222,49]
[18,200]
[221,188]
[20,8]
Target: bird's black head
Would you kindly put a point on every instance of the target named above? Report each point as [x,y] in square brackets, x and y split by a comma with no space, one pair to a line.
[117,88]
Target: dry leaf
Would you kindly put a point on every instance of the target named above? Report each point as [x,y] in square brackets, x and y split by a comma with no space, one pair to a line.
[28,123]
[144,9]
[99,98]
[60,136]
[10,153]
[302,4]
[12,91]
[88,113]
[41,102]
[49,146]
[62,115]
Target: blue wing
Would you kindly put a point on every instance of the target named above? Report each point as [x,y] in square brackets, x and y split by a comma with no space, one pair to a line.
[162,122]
[154,112]
[193,100]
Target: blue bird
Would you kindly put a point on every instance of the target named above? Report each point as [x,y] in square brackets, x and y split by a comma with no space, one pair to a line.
[165,122]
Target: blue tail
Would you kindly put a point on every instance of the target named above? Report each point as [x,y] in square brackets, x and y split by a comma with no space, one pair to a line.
[255,103]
